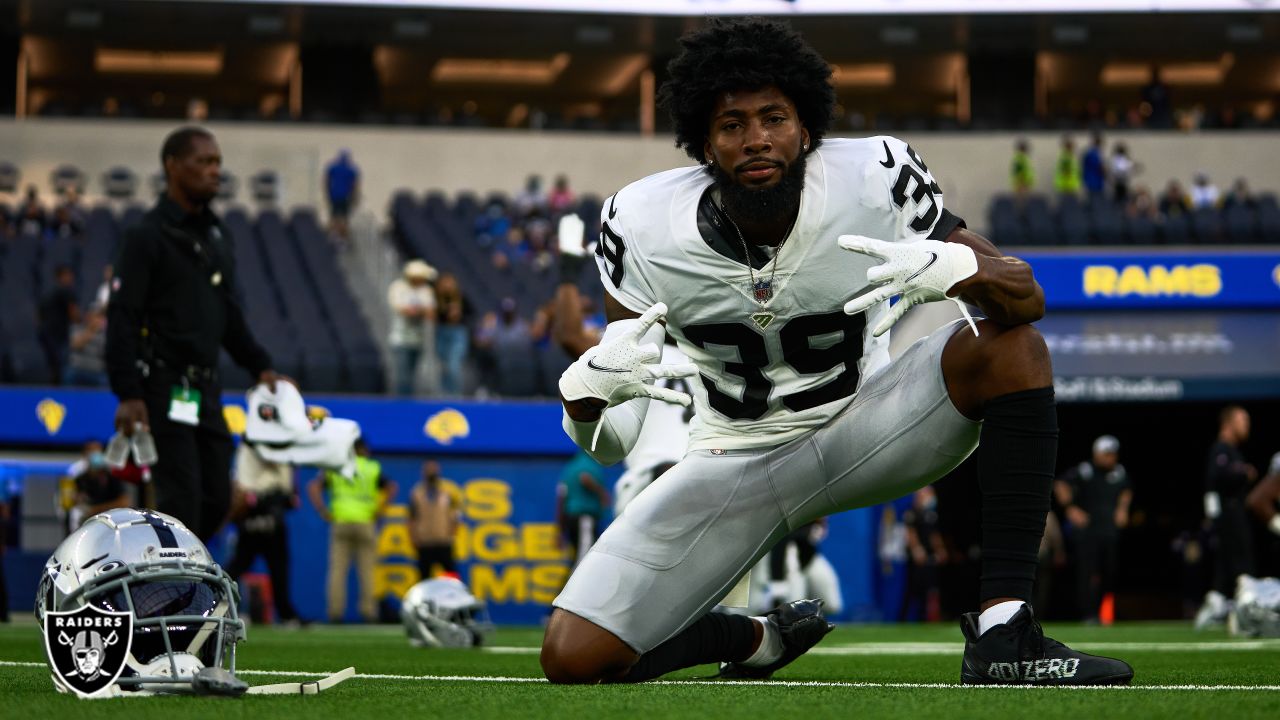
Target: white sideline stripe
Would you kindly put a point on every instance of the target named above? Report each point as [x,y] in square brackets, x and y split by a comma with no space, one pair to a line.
[759,683]
[943,648]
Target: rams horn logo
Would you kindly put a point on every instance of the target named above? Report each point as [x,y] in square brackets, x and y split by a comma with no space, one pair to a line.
[235,419]
[446,425]
[51,413]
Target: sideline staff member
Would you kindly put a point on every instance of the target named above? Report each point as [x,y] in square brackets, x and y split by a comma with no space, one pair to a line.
[172,308]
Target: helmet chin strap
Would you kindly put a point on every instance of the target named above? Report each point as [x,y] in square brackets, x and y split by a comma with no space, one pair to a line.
[235,687]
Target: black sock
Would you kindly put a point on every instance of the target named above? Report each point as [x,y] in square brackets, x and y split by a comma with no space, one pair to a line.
[1016,456]
[715,637]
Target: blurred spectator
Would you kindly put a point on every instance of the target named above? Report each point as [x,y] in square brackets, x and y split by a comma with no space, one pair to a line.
[531,199]
[68,217]
[582,501]
[1066,174]
[413,308]
[1122,171]
[87,367]
[453,316]
[103,295]
[1227,481]
[561,198]
[30,219]
[264,494]
[97,489]
[1095,496]
[1157,105]
[1142,205]
[1174,200]
[1239,195]
[58,312]
[342,188]
[434,514]
[1204,194]
[492,225]
[925,552]
[1022,176]
[507,341]
[1093,170]
[355,504]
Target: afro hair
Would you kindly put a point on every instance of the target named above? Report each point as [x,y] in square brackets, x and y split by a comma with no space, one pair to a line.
[744,54]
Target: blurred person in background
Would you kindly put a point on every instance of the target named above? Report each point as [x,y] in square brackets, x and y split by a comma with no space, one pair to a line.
[97,489]
[1239,195]
[264,495]
[434,515]
[31,220]
[1264,499]
[581,504]
[508,342]
[1227,480]
[1095,496]
[926,552]
[342,190]
[58,312]
[1052,555]
[561,198]
[68,217]
[102,295]
[174,308]
[87,365]
[413,310]
[1142,205]
[1157,105]
[355,503]
[1066,173]
[1022,174]
[1093,169]
[531,199]
[1174,200]
[1121,172]
[453,333]
[1204,194]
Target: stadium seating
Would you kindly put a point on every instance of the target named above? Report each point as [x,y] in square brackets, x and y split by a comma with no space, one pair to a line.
[1031,220]
[299,304]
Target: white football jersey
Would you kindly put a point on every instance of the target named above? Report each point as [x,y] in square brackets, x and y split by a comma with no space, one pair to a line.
[775,367]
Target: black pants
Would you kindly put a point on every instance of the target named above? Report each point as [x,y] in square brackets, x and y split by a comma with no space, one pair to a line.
[272,543]
[441,555]
[801,537]
[1235,547]
[192,477]
[1095,569]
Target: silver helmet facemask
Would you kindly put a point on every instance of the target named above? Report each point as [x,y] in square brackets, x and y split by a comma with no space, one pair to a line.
[443,613]
[183,605]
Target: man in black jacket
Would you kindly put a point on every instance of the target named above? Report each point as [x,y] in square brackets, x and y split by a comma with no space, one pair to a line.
[172,309]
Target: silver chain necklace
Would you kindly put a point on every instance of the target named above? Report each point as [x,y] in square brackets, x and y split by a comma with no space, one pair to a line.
[761,290]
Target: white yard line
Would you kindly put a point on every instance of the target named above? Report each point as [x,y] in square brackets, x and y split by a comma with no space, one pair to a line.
[758,683]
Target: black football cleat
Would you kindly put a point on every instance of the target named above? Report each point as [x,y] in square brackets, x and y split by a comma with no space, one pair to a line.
[801,624]
[1018,653]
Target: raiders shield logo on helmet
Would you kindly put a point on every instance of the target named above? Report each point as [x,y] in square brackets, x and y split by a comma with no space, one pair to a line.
[87,647]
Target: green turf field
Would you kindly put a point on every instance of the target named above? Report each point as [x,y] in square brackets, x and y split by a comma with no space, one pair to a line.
[858,671]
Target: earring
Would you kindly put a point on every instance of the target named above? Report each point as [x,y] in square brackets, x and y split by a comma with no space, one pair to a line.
[806,146]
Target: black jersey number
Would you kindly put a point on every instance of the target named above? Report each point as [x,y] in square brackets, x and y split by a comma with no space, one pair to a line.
[811,345]
[906,175]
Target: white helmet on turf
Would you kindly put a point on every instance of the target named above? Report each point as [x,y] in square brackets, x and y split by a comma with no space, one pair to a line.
[442,613]
[133,601]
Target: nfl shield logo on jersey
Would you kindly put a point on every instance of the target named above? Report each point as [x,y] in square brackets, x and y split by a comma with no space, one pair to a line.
[763,290]
[87,647]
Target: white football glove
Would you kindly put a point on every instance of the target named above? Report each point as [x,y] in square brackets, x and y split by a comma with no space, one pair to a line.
[620,369]
[570,234]
[921,271]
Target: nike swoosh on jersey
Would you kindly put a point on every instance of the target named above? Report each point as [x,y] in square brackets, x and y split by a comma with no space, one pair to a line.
[888,156]
[591,363]
[613,211]
[933,257]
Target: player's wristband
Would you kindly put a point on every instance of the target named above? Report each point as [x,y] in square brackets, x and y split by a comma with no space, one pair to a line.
[1275,524]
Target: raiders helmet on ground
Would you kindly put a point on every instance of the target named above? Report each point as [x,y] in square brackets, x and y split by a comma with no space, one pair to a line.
[145,587]
[442,613]
[1256,613]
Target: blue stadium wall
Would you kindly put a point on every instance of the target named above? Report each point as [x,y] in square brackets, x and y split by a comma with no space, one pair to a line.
[504,458]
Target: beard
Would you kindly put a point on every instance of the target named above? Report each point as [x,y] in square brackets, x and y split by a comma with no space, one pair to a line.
[761,205]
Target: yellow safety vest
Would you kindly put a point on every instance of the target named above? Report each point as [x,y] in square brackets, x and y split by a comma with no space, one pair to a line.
[355,500]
